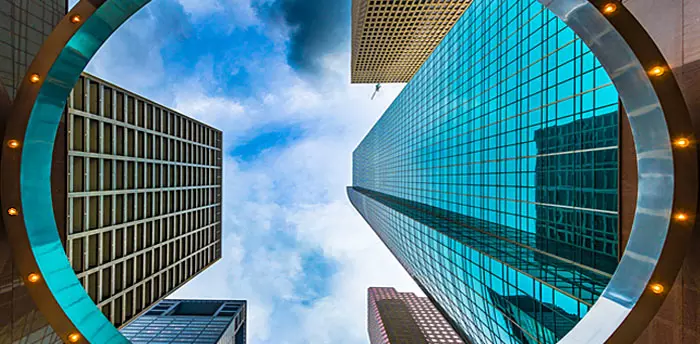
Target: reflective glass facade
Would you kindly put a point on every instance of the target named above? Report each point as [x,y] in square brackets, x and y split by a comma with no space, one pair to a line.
[191,321]
[493,176]
[24,25]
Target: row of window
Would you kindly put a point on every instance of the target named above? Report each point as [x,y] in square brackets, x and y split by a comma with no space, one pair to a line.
[463,282]
[403,154]
[499,242]
[168,241]
[166,328]
[124,304]
[97,174]
[92,96]
[96,212]
[99,137]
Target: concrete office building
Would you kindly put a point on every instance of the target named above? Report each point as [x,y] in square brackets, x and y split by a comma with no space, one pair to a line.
[142,215]
[509,181]
[190,321]
[391,39]
[144,197]
[25,26]
[404,318]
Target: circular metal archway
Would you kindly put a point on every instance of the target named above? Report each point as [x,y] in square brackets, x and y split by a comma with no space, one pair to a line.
[26,170]
[663,135]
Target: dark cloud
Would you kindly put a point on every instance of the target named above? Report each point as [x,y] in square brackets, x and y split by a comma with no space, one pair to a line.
[318,27]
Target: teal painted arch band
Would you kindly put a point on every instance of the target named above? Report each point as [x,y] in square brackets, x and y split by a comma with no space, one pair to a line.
[35,170]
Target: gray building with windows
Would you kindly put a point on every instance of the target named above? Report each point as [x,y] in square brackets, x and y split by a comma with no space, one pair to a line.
[24,25]
[144,197]
[191,321]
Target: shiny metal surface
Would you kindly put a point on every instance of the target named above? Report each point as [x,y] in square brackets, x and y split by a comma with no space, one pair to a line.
[26,170]
[644,260]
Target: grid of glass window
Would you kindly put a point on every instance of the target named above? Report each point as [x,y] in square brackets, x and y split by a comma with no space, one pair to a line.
[24,25]
[493,176]
[176,330]
[165,324]
[144,197]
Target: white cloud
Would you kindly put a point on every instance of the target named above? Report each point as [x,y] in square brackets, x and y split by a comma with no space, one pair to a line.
[226,114]
[200,7]
[290,201]
[300,97]
[270,278]
[301,188]
[241,12]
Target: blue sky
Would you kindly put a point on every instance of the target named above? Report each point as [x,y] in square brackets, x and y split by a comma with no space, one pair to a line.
[274,76]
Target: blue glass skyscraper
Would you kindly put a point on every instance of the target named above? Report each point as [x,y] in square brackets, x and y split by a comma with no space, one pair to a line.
[493,176]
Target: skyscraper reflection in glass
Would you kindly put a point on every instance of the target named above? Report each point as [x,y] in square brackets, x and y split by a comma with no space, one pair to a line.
[493,176]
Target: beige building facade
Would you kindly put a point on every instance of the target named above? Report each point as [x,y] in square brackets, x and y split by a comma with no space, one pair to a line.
[144,197]
[391,39]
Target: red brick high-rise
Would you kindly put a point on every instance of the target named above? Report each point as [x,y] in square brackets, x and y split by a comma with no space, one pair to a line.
[405,318]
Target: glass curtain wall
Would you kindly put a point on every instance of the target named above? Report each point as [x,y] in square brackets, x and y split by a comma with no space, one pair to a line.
[493,176]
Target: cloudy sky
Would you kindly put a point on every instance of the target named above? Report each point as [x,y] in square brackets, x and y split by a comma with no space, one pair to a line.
[274,76]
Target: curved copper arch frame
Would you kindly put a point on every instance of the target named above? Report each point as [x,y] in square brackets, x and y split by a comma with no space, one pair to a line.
[5,108]
[655,107]
[668,174]
[26,170]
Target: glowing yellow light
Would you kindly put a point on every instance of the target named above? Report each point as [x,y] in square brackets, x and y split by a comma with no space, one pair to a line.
[656,288]
[74,337]
[682,142]
[12,212]
[34,78]
[609,8]
[657,71]
[75,19]
[33,278]
[681,217]
[13,143]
